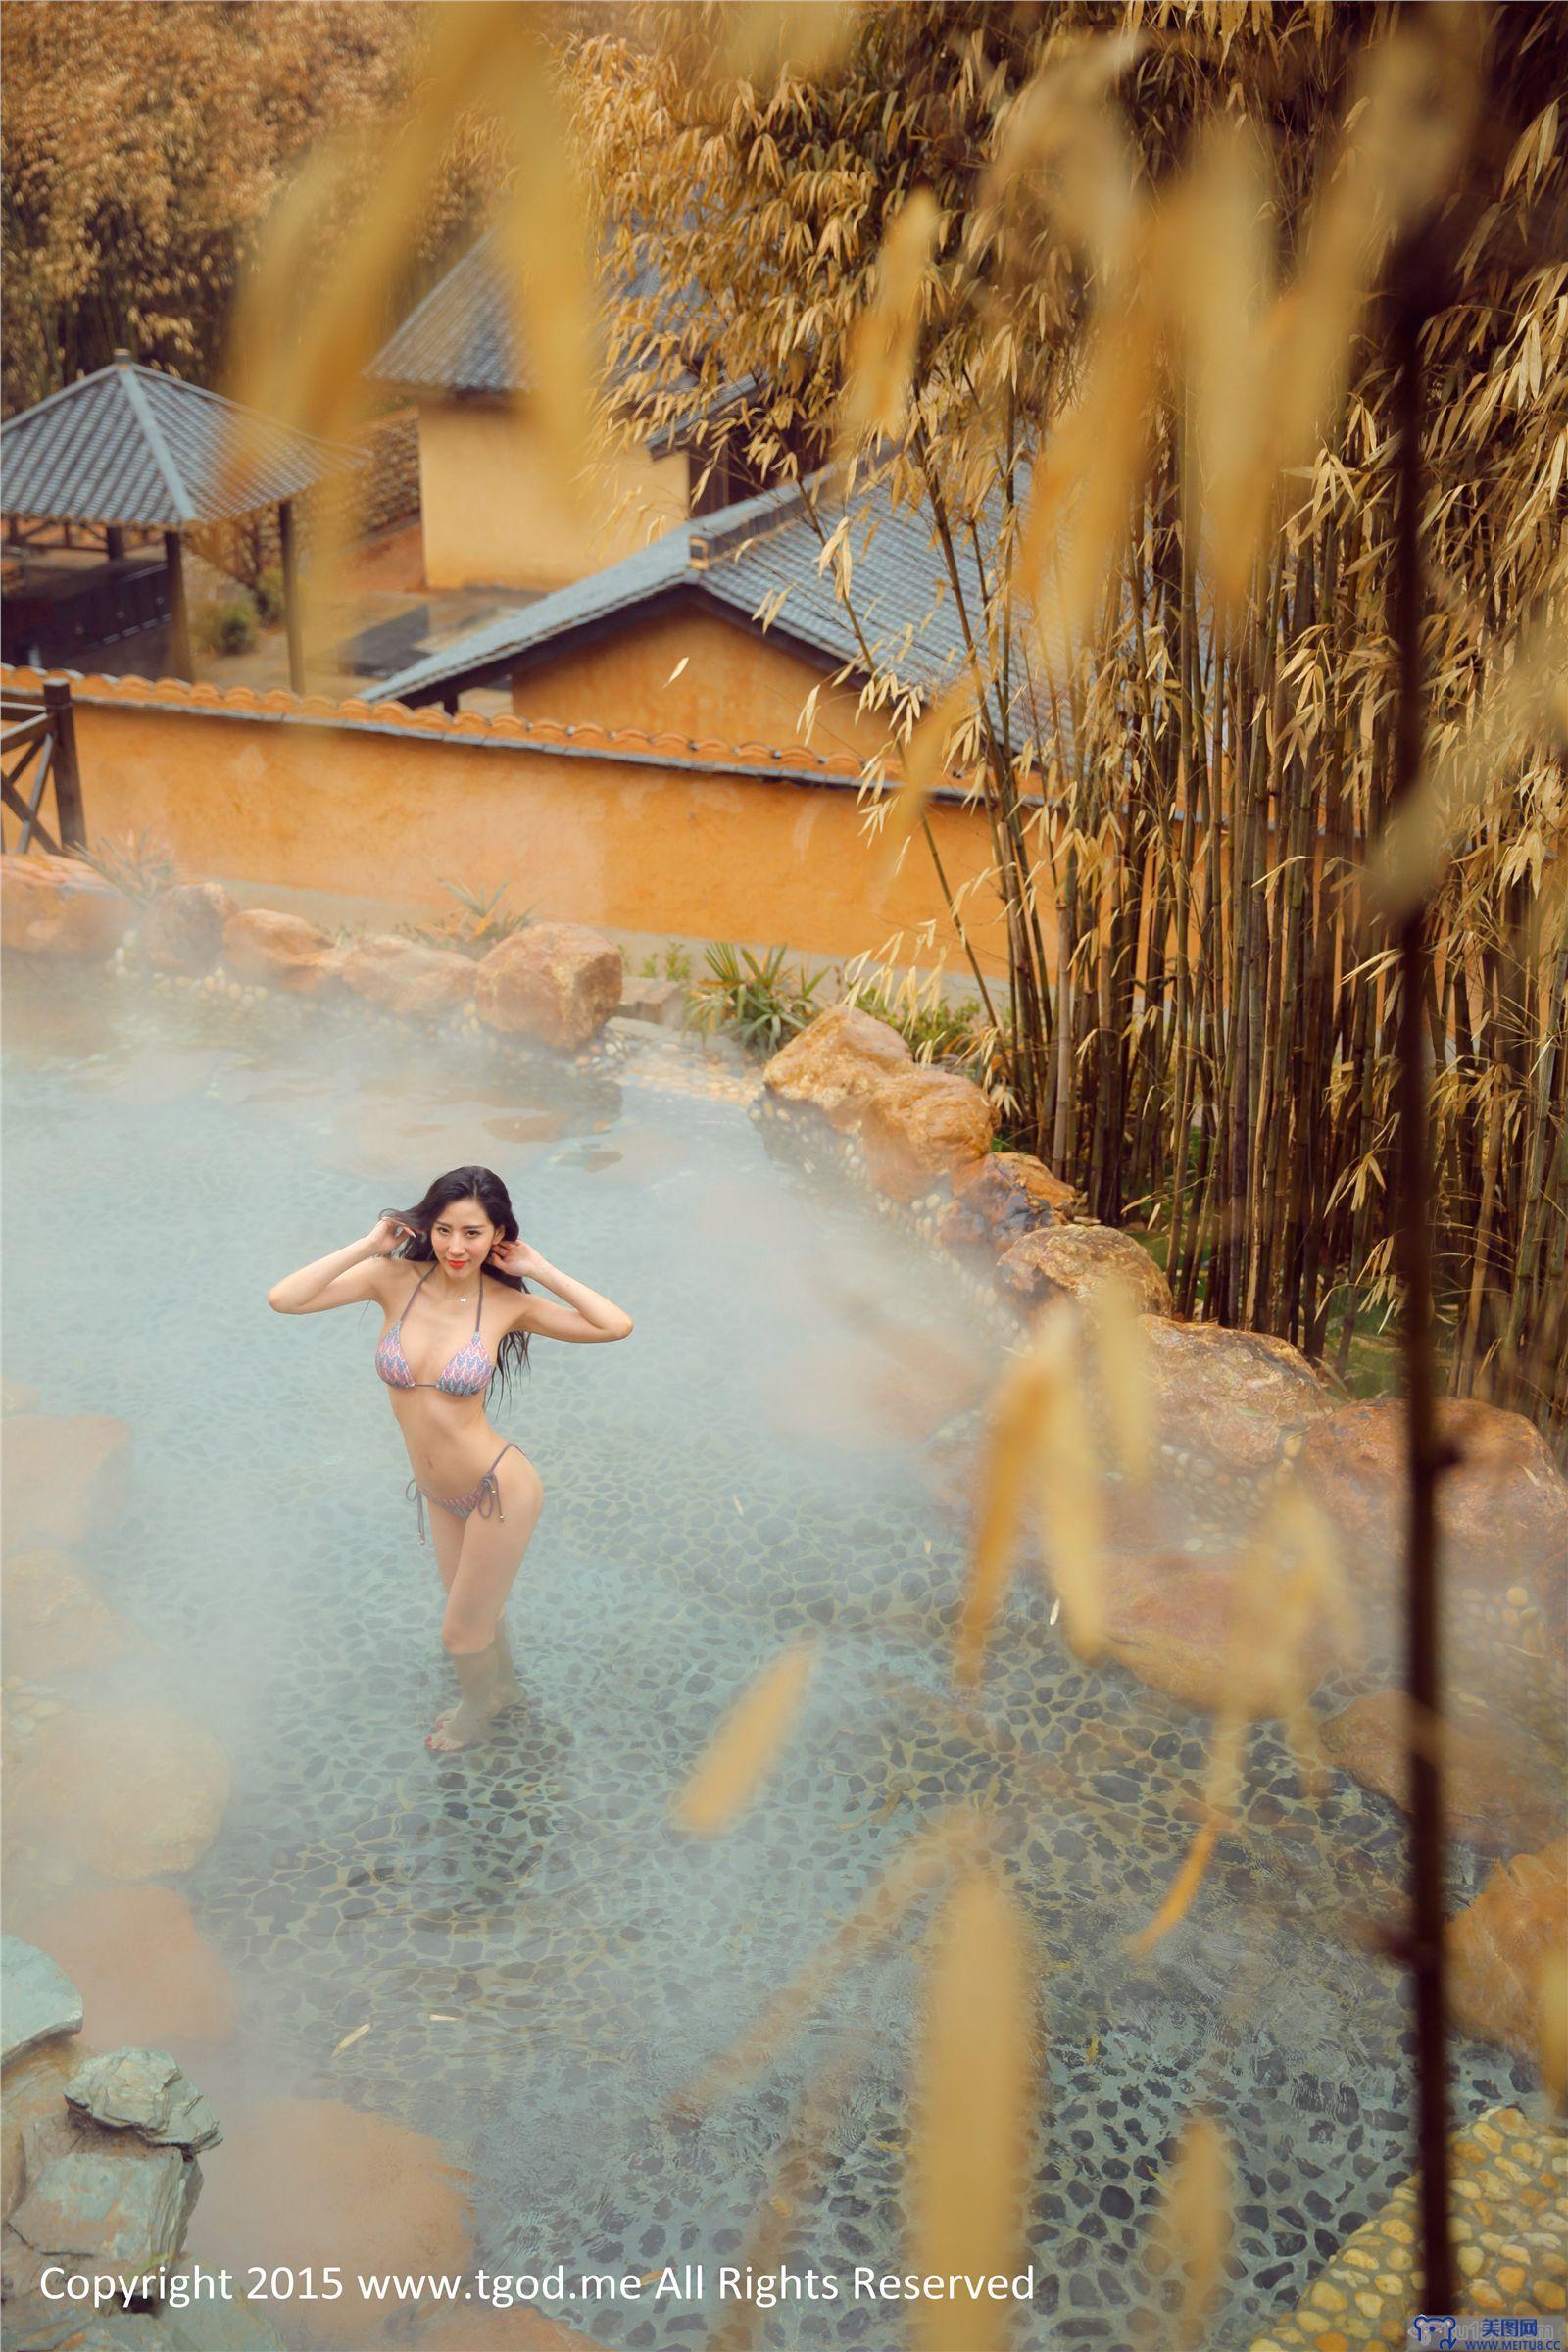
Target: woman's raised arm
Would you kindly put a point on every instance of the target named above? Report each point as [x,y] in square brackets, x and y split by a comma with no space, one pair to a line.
[347,1278]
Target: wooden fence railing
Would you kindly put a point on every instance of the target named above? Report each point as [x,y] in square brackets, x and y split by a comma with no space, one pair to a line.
[38,748]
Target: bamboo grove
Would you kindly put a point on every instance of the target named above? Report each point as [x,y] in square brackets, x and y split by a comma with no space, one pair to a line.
[1182,730]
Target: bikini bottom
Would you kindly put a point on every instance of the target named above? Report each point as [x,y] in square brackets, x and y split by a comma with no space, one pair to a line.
[485,1498]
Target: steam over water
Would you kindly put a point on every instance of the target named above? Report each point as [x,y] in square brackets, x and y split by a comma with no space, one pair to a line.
[542,1960]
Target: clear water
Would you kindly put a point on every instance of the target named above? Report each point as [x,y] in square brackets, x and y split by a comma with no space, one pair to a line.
[745,1470]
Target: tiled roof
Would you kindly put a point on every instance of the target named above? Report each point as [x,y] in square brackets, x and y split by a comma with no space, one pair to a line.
[463,337]
[745,556]
[132,447]
[460,338]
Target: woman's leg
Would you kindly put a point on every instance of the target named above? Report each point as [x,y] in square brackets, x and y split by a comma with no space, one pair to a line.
[447,1532]
[446,1538]
[471,1632]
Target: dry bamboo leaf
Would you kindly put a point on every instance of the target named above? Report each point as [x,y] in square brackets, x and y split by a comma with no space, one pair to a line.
[1122,1356]
[765,39]
[737,1759]
[883,346]
[1525,700]
[1068,1487]
[1183,1887]
[1303,1531]
[1007,1477]
[1062,141]
[925,760]
[1267,373]
[542,243]
[1217,261]
[1069,547]
[306,370]
[974,2097]
[1191,2234]
[1226,1759]
[917,1868]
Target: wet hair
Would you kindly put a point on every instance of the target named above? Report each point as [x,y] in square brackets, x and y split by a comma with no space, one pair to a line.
[484,1186]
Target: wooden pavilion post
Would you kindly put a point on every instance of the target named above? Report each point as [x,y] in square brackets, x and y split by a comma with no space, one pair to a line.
[179,616]
[291,594]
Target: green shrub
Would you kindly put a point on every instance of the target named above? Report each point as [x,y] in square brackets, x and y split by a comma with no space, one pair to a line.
[758,1001]
[141,865]
[267,595]
[226,628]
[474,926]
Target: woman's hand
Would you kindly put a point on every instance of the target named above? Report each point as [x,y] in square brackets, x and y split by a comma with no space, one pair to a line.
[516,1257]
[388,1232]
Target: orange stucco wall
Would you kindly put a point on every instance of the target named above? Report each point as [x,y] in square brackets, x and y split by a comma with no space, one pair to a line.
[494,510]
[340,797]
[697,675]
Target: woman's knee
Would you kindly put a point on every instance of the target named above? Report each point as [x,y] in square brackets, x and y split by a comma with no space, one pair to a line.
[467,1630]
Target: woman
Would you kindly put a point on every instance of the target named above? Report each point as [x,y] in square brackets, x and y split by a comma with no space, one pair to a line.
[471,1315]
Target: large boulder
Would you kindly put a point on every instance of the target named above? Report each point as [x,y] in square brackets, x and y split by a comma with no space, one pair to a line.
[41,2002]
[997,1201]
[837,1062]
[1172,1620]
[60,906]
[556,983]
[404,976]
[1238,1399]
[132,1793]
[145,2091]
[107,2204]
[65,1476]
[182,930]
[921,1123]
[35,2088]
[1500,1793]
[1497,1949]
[1502,1532]
[1069,1262]
[1502,1502]
[280,950]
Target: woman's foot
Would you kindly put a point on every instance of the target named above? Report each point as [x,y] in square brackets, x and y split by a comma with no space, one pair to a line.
[462,1725]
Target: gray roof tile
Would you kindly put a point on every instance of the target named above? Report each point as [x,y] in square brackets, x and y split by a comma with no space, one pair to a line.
[464,335]
[133,447]
[460,338]
[741,555]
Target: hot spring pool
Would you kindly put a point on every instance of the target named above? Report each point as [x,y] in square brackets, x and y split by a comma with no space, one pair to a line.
[542,1961]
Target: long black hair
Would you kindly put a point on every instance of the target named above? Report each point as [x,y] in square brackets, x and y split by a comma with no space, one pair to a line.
[468,1184]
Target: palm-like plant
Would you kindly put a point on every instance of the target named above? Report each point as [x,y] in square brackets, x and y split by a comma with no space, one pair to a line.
[756,1000]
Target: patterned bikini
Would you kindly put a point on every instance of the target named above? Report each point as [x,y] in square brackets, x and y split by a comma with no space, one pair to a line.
[466,1374]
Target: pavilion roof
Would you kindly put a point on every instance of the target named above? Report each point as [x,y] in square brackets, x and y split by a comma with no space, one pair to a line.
[131,447]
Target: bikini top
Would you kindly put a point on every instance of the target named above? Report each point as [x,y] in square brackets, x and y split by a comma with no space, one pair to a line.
[466,1374]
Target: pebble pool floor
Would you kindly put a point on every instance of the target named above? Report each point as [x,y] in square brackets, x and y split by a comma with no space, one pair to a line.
[710,1497]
